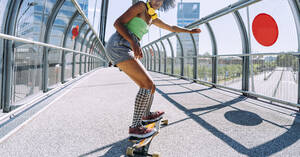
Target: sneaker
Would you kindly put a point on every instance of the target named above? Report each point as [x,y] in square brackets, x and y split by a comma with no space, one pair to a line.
[141,132]
[153,116]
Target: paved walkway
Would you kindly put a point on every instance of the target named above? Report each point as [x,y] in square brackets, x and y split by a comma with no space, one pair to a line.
[92,119]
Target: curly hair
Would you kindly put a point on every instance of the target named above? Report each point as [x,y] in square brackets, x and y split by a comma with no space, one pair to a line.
[168,4]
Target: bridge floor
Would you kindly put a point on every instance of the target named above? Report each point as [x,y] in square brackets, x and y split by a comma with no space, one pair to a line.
[92,119]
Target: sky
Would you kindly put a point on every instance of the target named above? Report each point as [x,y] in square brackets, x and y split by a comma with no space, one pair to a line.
[225,28]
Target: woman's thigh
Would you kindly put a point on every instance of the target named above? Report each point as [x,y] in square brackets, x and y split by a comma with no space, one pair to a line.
[137,72]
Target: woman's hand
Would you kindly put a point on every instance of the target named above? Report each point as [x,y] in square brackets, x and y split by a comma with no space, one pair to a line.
[196,30]
[136,50]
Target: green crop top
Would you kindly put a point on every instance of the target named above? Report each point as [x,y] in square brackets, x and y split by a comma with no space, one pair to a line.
[137,26]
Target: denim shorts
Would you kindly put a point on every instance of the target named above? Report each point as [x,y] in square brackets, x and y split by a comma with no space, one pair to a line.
[118,49]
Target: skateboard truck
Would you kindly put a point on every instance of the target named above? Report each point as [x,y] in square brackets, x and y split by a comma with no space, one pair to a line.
[144,152]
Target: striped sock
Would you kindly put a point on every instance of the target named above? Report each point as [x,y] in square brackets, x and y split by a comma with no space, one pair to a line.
[149,104]
[140,106]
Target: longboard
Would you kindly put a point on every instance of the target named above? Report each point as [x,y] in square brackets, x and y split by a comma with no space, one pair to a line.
[141,145]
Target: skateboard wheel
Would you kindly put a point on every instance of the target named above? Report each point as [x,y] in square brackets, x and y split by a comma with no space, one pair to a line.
[165,122]
[129,151]
[155,155]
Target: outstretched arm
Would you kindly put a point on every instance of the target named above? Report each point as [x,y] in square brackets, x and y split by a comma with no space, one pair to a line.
[159,23]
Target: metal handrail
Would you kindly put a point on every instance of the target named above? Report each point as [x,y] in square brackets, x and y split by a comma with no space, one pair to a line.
[9,37]
[242,55]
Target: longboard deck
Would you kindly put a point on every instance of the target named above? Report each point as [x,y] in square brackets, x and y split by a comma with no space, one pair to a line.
[141,145]
[140,142]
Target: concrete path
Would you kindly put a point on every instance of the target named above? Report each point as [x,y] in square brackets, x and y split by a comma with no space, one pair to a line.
[92,119]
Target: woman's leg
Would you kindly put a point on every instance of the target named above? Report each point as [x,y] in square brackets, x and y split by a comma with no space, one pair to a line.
[136,71]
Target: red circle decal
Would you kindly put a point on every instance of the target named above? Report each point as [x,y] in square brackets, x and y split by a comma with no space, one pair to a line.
[265,29]
[75,31]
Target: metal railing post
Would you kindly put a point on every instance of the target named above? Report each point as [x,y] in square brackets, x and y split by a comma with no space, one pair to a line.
[181,57]
[159,57]
[246,50]
[295,7]
[172,53]
[165,59]
[64,45]
[195,58]
[214,53]
[48,29]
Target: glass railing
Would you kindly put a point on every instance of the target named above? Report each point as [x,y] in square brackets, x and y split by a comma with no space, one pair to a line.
[45,44]
[229,54]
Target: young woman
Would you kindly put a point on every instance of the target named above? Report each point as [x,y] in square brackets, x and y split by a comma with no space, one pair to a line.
[131,26]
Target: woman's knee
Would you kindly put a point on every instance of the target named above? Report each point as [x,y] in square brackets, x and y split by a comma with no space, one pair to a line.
[153,88]
[148,85]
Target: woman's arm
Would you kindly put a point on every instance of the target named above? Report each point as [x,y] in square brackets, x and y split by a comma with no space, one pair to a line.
[159,23]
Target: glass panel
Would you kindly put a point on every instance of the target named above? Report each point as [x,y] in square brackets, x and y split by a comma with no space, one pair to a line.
[69,64]
[229,41]
[204,44]
[145,57]
[3,11]
[83,60]
[90,45]
[54,60]
[84,44]
[177,70]
[178,55]
[230,72]
[80,37]
[70,41]
[88,51]
[27,74]
[70,44]
[205,69]
[187,44]
[277,74]
[77,65]
[156,57]
[150,58]
[189,67]
[32,19]
[287,40]
[86,64]
[61,22]
[188,52]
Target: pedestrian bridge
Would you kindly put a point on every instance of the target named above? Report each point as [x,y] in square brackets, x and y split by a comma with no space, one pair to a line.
[239,97]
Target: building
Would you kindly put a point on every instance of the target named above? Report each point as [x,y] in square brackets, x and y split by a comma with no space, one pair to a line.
[33,17]
[187,13]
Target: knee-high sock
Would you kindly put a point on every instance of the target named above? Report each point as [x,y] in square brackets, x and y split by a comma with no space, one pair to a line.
[140,106]
[149,104]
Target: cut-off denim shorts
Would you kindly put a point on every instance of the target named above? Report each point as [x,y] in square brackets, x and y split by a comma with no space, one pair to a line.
[118,49]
